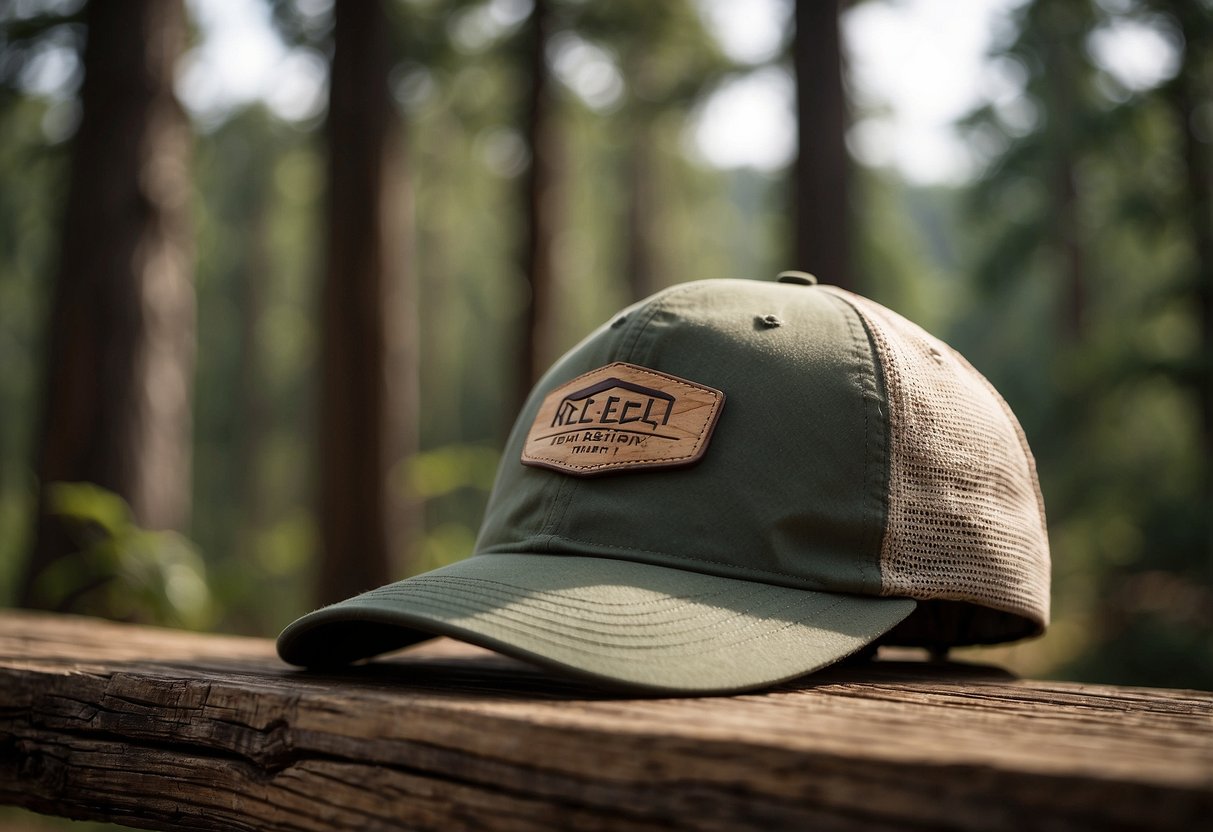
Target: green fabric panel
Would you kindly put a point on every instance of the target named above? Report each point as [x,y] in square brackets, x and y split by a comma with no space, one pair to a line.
[792,487]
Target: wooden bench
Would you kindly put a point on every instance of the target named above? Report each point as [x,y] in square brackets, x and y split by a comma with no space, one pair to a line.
[172,730]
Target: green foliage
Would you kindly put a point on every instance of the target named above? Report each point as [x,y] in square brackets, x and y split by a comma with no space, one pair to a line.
[666,56]
[122,571]
[1087,316]
[28,32]
[453,483]
[443,471]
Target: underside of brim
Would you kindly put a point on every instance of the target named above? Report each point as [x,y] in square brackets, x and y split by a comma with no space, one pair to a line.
[626,624]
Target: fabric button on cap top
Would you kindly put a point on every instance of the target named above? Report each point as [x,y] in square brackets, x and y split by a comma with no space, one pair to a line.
[695,501]
[799,278]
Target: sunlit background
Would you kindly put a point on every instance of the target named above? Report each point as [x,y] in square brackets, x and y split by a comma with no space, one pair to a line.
[916,68]
[957,146]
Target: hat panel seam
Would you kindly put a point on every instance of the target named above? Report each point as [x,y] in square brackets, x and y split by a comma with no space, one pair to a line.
[543,540]
[569,487]
[935,549]
[629,355]
[874,532]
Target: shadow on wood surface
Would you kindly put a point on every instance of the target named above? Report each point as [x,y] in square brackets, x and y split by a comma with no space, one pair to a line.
[444,666]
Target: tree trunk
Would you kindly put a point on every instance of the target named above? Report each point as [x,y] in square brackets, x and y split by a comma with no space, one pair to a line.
[368,363]
[250,382]
[116,402]
[540,184]
[1064,71]
[820,199]
[1188,94]
[642,265]
[1069,229]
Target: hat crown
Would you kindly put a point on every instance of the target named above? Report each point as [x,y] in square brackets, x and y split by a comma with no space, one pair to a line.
[828,448]
[731,484]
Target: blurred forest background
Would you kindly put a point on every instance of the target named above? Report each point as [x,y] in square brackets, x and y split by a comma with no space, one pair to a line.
[251,362]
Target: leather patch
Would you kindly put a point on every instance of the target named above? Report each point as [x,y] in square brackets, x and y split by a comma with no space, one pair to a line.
[622,417]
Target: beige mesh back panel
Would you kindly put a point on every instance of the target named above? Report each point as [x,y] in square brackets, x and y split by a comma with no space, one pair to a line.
[965,516]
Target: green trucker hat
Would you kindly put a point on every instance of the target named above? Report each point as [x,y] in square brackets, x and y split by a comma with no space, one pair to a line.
[730,484]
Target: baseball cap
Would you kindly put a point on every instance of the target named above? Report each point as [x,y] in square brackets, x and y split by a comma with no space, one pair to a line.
[730,484]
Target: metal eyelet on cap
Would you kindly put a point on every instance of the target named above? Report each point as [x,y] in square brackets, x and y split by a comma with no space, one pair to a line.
[800,278]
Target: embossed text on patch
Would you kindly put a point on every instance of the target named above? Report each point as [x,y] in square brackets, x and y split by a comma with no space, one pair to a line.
[621,417]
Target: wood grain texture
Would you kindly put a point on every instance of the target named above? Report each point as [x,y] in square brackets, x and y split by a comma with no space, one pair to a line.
[171,730]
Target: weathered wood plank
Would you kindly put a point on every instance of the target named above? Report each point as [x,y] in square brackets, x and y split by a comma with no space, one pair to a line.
[173,730]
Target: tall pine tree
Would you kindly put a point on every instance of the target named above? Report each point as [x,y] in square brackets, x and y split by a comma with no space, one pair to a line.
[117,390]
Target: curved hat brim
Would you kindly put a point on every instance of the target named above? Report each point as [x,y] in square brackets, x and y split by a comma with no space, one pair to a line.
[627,624]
